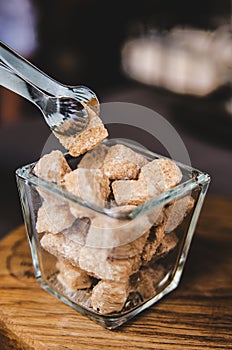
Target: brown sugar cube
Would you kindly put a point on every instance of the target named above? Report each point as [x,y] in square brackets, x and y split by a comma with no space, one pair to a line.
[95,262]
[94,159]
[121,162]
[89,184]
[168,243]
[129,250]
[133,192]
[153,242]
[52,167]
[80,211]
[157,216]
[53,217]
[176,212]
[78,231]
[61,247]
[146,279]
[110,232]
[71,277]
[154,178]
[168,175]
[92,135]
[108,296]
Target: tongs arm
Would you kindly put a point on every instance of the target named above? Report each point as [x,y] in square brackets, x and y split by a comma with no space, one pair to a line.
[24,68]
[10,80]
[50,86]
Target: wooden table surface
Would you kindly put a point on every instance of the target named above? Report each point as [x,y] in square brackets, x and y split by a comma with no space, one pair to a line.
[197,315]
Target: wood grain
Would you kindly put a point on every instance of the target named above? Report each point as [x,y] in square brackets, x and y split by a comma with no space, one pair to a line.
[197,315]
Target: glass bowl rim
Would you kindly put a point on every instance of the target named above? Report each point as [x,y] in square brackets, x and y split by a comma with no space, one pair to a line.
[198,178]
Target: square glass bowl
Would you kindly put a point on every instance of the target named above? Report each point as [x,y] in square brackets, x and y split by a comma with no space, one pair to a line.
[133,258]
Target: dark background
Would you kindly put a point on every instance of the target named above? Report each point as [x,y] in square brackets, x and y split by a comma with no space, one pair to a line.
[79,42]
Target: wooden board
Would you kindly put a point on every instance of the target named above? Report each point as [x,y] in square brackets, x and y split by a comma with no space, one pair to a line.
[197,315]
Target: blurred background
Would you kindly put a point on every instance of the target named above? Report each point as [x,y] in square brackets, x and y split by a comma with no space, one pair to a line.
[174,57]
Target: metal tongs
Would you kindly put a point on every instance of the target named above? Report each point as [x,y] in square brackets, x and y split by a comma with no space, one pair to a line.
[62,106]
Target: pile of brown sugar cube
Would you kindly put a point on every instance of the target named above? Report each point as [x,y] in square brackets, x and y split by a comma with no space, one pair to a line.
[108,256]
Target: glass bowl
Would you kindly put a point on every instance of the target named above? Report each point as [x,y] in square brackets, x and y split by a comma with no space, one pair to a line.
[133,258]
